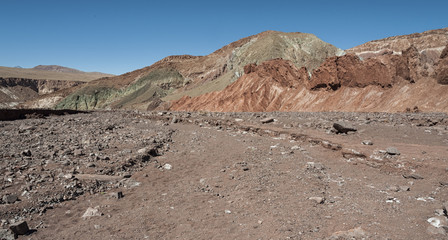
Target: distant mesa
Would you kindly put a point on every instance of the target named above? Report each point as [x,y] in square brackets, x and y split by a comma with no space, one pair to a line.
[56,68]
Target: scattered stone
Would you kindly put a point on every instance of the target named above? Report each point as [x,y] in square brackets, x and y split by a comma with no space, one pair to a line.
[295,147]
[412,176]
[438,221]
[6,234]
[10,199]
[439,212]
[117,195]
[315,167]
[367,142]
[92,212]
[90,164]
[20,228]
[343,129]
[167,166]
[356,233]
[77,152]
[26,153]
[318,200]
[330,145]
[392,151]
[267,120]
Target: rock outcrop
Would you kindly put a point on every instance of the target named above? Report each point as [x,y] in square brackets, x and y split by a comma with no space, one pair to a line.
[441,73]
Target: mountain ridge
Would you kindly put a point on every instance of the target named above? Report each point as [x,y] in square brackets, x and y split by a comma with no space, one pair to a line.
[387,67]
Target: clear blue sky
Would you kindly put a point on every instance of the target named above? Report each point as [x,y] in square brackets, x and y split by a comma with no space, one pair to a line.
[120,36]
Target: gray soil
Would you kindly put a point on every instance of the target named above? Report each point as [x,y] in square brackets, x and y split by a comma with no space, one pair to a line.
[225,176]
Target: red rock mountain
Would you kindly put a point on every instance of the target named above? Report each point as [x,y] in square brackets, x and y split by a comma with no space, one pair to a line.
[393,74]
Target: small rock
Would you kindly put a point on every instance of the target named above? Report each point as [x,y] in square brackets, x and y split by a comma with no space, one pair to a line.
[228,211]
[367,142]
[117,195]
[167,166]
[267,120]
[392,151]
[343,129]
[314,167]
[356,233]
[412,176]
[438,221]
[91,212]
[318,200]
[405,188]
[90,164]
[19,228]
[26,153]
[439,212]
[10,199]
[77,152]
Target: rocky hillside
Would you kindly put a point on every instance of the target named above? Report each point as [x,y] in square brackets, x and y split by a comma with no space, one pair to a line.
[395,74]
[18,85]
[14,91]
[178,76]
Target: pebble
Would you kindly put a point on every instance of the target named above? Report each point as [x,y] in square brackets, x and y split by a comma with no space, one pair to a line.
[318,200]
[92,212]
[392,151]
[267,120]
[167,166]
[413,176]
[367,142]
[10,199]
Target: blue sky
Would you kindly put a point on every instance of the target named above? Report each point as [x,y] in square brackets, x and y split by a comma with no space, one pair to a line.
[121,36]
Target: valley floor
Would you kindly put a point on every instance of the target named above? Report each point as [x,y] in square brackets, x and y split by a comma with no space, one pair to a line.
[226,175]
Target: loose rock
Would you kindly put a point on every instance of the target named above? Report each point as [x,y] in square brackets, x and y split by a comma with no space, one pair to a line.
[343,129]
[267,120]
[10,199]
[392,151]
[318,200]
[20,228]
[92,212]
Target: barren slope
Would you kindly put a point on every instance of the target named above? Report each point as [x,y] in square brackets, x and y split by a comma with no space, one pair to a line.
[176,76]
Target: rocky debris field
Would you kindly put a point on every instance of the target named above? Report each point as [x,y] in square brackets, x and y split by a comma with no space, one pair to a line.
[181,175]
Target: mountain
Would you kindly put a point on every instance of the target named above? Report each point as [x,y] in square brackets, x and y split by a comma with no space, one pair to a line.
[18,85]
[393,74]
[275,71]
[178,76]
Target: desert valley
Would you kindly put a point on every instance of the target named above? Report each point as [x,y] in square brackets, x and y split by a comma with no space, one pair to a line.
[274,136]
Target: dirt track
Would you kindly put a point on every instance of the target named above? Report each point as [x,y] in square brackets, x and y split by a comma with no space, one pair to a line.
[226,176]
